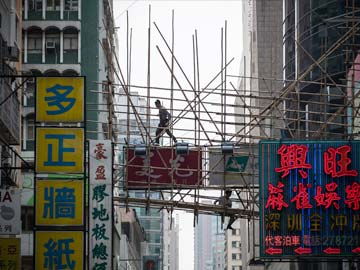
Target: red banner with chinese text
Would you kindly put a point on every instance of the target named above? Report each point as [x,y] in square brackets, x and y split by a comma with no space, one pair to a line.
[162,168]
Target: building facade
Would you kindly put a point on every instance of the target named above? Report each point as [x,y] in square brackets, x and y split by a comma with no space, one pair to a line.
[318,52]
[65,38]
[209,243]
[171,242]
[132,242]
[10,86]
[320,49]
[260,82]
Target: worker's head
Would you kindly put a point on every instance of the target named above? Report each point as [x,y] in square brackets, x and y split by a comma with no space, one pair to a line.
[228,192]
[157,103]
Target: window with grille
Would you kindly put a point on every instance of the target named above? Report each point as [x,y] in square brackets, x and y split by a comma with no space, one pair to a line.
[34,44]
[35,5]
[53,5]
[70,42]
[71,5]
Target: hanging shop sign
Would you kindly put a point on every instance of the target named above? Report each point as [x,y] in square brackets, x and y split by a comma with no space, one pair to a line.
[10,209]
[100,204]
[59,250]
[310,198]
[59,173]
[162,168]
[10,254]
[59,203]
[59,150]
[60,99]
[237,169]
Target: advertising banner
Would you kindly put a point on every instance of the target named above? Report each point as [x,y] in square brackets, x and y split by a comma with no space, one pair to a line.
[162,168]
[237,169]
[309,198]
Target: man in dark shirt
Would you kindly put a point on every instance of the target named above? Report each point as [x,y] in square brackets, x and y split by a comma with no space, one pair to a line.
[226,201]
[165,118]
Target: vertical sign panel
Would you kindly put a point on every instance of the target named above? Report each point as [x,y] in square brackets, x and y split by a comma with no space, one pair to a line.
[10,209]
[59,250]
[310,199]
[100,204]
[59,203]
[60,99]
[59,150]
[59,153]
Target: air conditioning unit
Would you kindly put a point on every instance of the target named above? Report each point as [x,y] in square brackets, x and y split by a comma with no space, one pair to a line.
[50,45]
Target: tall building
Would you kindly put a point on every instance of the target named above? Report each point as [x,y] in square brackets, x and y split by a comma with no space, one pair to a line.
[65,38]
[260,82]
[261,68]
[232,250]
[152,222]
[318,51]
[320,47]
[209,239]
[171,242]
[132,242]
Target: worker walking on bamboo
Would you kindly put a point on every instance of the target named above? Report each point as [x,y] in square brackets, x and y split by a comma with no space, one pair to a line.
[165,118]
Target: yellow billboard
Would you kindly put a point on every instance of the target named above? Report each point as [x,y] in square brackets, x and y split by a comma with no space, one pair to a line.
[10,252]
[59,250]
[60,99]
[59,150]
[59,202]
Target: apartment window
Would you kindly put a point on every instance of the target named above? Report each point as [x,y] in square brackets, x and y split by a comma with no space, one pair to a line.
[236,268]
[30,128]
[71,5]
[235,244]
[34,41]
[70,40]
[236,256]
[53,5]
[27,218]
[35,5]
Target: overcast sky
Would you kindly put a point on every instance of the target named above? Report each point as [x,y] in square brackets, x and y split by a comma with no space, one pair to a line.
[207,17]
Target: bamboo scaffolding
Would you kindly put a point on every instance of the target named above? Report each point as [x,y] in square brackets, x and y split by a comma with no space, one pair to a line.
[212,121]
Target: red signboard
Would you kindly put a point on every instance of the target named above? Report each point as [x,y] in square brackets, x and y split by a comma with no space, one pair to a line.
[162,168]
